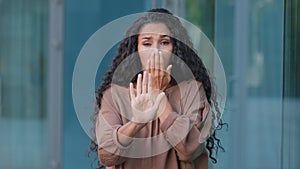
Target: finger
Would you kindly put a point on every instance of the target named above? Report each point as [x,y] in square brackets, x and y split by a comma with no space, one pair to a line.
[138,85]
[169,69]
[152,62]
[145,81]
[148,66]
[156,68]
[161,61]
[131,91]
[168,74]
[150,83]
[159,98]
[161,67]
[156,61]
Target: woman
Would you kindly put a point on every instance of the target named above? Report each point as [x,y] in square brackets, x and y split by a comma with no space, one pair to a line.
[154,105]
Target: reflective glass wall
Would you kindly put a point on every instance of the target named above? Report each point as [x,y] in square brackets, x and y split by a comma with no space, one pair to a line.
[249,39]
[30,84]
[23,84]
[291,83]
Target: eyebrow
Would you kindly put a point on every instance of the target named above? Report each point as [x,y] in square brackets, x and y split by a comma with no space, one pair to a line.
[150,36]
[163,36]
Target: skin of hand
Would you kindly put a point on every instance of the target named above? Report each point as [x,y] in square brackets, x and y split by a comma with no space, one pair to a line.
[161,79]
[144,104]
[155,66]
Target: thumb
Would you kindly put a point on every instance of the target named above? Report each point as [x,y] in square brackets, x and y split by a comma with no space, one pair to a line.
[169,69]
[168,73]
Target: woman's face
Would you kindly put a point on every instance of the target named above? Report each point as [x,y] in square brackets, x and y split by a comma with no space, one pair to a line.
[154,37]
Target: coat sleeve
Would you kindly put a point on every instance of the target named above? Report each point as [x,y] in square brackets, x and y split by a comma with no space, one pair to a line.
[110,151]
[187,130]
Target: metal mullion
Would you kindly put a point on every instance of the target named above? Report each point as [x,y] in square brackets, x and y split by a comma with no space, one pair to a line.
[55,83]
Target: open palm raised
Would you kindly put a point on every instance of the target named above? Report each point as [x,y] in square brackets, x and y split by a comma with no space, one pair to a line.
[145,102]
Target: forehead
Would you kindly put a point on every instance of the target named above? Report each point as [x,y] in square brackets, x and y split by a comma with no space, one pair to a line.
[154,29]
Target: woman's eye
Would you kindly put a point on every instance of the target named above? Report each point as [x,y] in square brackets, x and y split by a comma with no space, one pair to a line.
[147,44]
[165,43]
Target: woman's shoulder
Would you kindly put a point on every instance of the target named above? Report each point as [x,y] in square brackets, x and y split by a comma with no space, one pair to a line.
[115,90]
[116,87]
[117,96]
[190,83]
[187,85]
[119,87]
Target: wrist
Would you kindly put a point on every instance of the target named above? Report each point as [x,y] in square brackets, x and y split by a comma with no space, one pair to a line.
[137,126]
[128,131]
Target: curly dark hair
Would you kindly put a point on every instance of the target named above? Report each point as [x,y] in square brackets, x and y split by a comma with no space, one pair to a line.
[182,48]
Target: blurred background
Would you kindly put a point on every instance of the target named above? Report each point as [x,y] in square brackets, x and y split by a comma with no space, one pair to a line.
[257,41]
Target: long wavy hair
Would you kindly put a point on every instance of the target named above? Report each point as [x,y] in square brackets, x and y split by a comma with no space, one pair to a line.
[182,48]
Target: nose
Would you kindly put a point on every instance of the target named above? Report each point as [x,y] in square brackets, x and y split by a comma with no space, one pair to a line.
[156,47]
